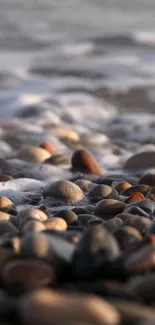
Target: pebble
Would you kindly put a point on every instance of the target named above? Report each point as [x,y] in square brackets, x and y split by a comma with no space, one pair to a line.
[103,191]
[7,227]
[23,276]
[50,308]
[141,261]
[140,223]
[56,224]
[84,162]
[137,211]
[64,190]
[5,216]
[96,248]
[148,179]
[85,185]
[113,224]
[6,204]
[33,226]
[109,207]
[142,188]
[66,134]
[137,196]
[128,237]
[68,215]
[120,186]
[26,214]
[144,204]
[151,194]
[5,178]
[33,154]
[141,160]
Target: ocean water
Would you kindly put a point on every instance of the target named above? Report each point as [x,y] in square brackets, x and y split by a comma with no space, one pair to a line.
[89,65]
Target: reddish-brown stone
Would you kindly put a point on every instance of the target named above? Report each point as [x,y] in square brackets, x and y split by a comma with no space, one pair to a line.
[135,197]
[85,162]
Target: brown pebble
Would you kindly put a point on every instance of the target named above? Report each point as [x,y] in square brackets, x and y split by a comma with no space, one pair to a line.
[56,224]
[135,197]
[68,215]
[141,261]
[66,134]
[50,308]
[120,186]
[140,223]
[109,207]
[84,184]
[113,224]
[84,162]
[5,216]
[6,204]
[21,276]
[148,179]
[50,147]
[128,237]
[33,226]
[5,178]
[33,154]
[124,216]
[30,213]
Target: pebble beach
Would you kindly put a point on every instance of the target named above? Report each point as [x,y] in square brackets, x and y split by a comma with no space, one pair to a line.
[77,162]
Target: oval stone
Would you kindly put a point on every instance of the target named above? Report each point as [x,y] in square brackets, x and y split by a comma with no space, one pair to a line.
[109,207]
[141,160]
[33,154]
[63,190]
[56,224]
[103,191]
[85,162]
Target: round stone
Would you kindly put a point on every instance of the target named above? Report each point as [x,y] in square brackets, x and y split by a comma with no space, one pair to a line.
[56,224]
[50,307]
[21,276]
[103,191]
[6,227]
[84,162]
[145,205]
[120,186]
[58,160]
[148,179]
[6,204]
[109,207]
[63,190]
[140,223]
[68,215]
[30,213]
[33,226]
[33,154]
[50,147]
[5,216]
[141,160]
[135,197]
[66,134]
[84,184]
[113,224]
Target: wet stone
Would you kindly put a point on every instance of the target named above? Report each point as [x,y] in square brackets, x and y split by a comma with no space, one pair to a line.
[96,248]
[120,186]
[109,207]
[33,154]
[33,226]
[128,237]
[113,224]
[141,261]
[6,204]
[7,227]
[84,162]
[140,223]
[135,197]
[103,191]
[27,214]
[141,160]
[136,211]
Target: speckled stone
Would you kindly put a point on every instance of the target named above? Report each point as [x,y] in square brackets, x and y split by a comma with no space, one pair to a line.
[63,190]
[84,162]
[109,207]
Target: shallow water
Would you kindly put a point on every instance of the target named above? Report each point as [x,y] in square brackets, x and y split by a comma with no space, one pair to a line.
[86,64]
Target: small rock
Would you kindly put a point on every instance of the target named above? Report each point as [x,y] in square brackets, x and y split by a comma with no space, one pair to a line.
[56,224]
[58,160]
[120,186]
[141,160]
[50,147]
[63,190]
[128,237]
[148,179]
[142,188]
[33,154]
[109,207]
[6,204]
[5,178]
[85,185]
[30,213]
[104,192]
[33,226]
[68,215]
[145,205]
[135,197]
[141,261]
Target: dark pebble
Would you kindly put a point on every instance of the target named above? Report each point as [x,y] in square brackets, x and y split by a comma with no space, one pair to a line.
[84,162]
